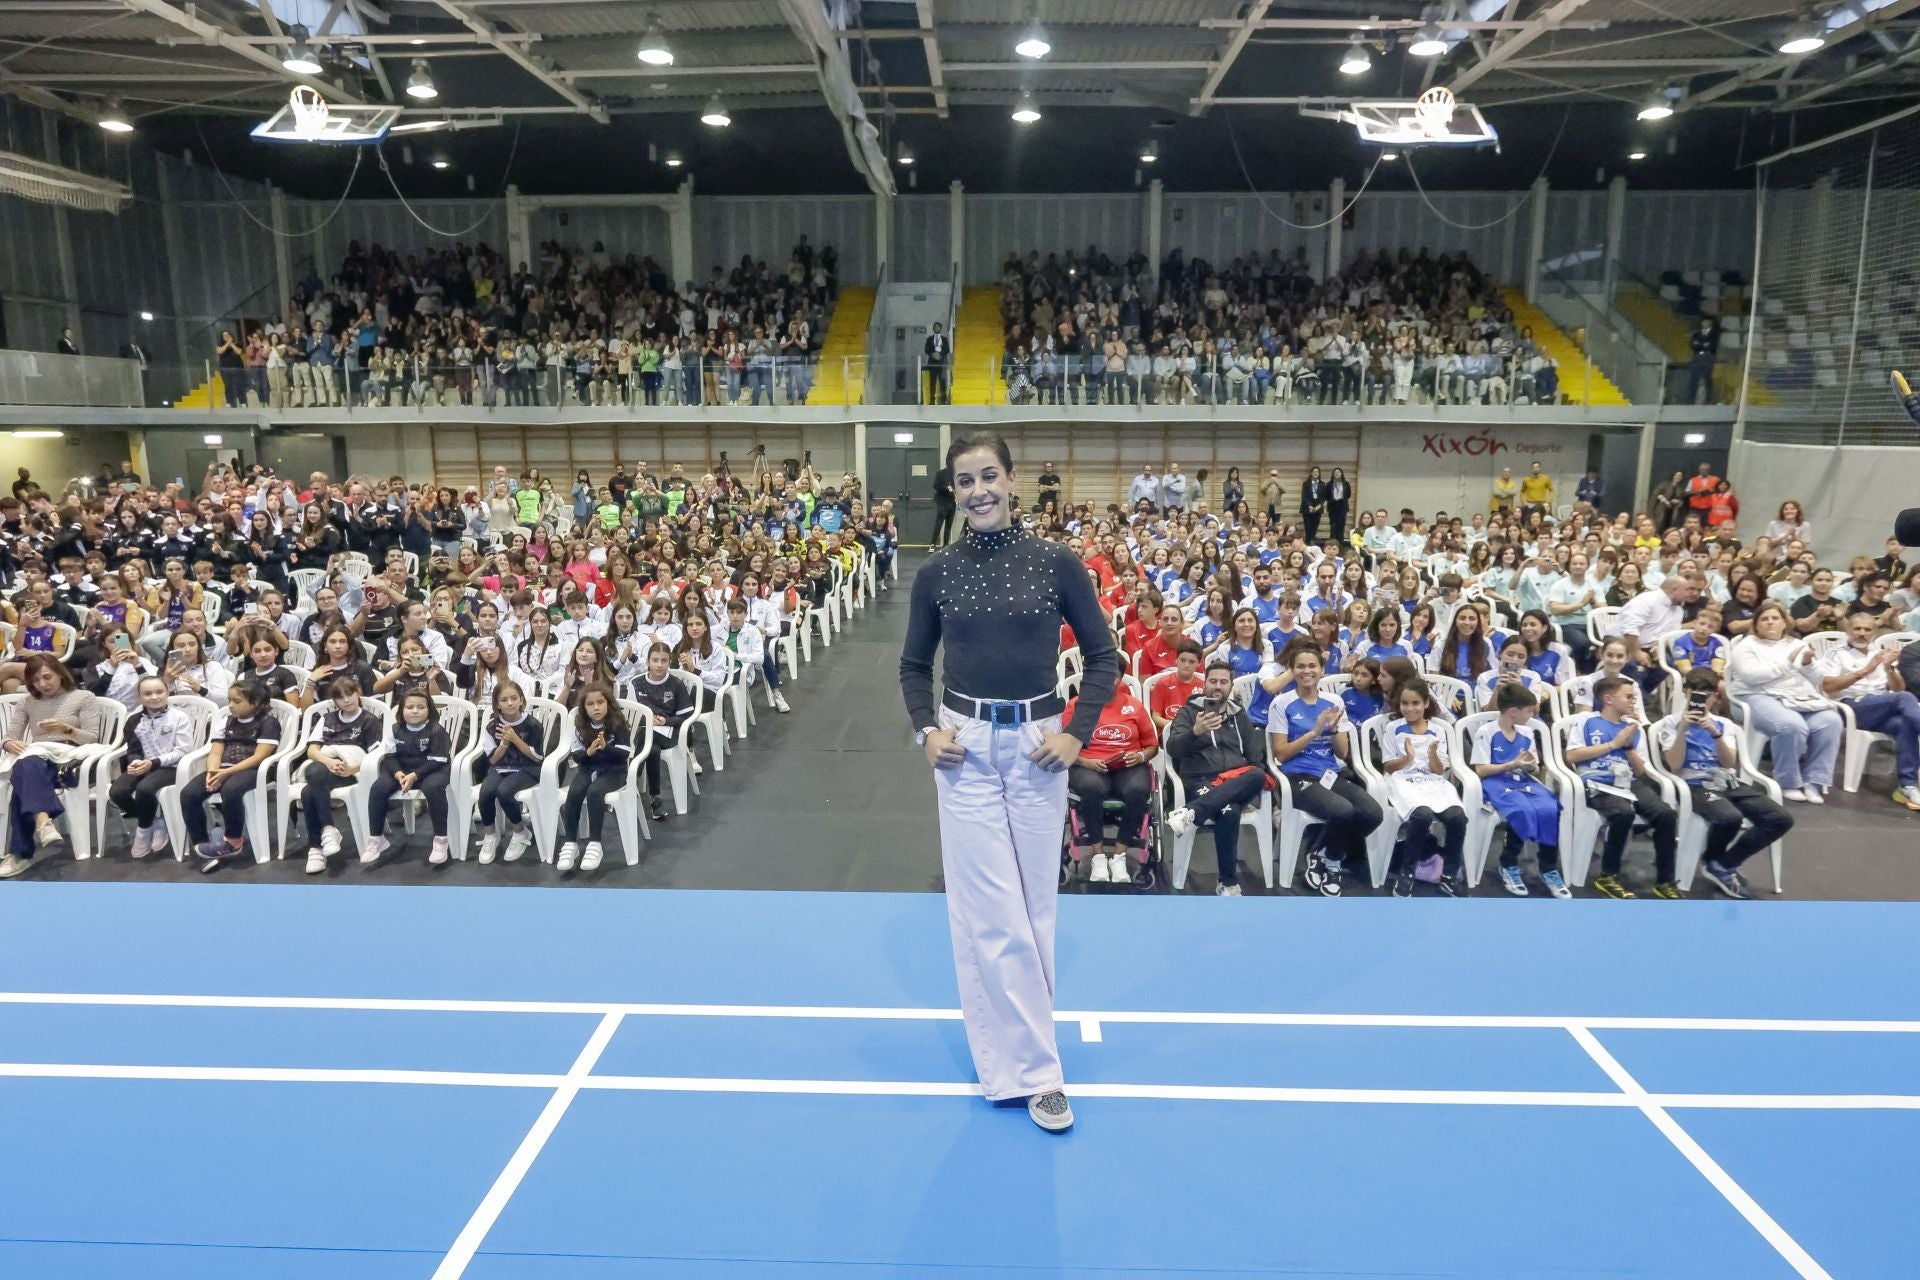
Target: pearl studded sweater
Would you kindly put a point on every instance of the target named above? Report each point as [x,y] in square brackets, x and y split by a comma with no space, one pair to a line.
[997,600]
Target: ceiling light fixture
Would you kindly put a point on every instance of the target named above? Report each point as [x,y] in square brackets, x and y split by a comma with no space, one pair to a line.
[1803,37]
[37,433]
[1658,107]
[673,160]
[1026,110]
[1150,152]
[653,45]
[147,316]
[420,82]
[715,113]
[300,57]
[1638,153]
[902,153]
[113,117]
[1356,61]
[1427,43]
[441,164]
[1389,155]
[1033,42]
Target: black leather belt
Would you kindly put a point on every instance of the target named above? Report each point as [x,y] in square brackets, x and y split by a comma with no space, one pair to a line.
[1004,711]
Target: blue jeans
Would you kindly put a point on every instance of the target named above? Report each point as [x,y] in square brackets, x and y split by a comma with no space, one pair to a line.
[1898,716]
[1805,744]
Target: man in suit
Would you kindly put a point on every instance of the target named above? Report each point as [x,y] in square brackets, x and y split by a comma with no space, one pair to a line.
[67,345]
[1313,504]
[939,359]
[942,506]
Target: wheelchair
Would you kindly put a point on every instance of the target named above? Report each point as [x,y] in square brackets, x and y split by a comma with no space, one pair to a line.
[1147,875]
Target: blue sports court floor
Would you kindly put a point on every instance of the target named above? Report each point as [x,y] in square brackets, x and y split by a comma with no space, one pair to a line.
[265,1082]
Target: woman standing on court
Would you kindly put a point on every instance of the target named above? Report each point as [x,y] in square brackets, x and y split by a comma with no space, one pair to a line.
[1000,754]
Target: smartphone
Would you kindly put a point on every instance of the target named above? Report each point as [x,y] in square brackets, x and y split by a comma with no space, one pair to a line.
[1699,700]
[1509,668]
[123,642]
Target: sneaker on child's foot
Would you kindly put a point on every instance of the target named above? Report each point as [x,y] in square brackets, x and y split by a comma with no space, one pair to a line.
[158,843]
[1611,887]
[372,850]
[1514,881]
[1097,870]
[437,855]
[780,702]
[12,865]
[45,834]
[1726,880]
[1814,794]
[143,842]
[517,844]
[562,861]
[1453,886]
[1118,869]
[1796,794]
[1556,883]
[1226,891]
[1180,821]
[1669,890]
[590,856]
[658,808]
[1401,883]
[1050,1111]
[1323,876]
[330,841]
[316,862]
[489,845]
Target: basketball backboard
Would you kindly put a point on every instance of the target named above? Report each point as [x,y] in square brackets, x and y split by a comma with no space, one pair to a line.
[1432,119]
[308,117]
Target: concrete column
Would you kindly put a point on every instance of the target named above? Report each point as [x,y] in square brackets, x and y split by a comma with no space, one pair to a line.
[282,248]
[882,232]
[63,243]
[1536,236]
[1616,233]
[1819,224]
[957,230]
[680,229]
[519,229]
[1643,465]
[1336,200]
[1156,225]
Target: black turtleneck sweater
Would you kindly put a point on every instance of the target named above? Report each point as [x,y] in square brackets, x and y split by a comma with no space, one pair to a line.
[997,601]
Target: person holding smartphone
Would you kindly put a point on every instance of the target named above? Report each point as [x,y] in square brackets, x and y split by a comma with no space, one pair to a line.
[1697,746]
[1215,748]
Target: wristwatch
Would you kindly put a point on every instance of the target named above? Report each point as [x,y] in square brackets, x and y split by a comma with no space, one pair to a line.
[920,735]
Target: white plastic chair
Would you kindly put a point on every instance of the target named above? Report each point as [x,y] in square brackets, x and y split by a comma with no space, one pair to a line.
[305,582]
[1692,830]
[1483,821]
[92,764]
[710,716]
[461,720]
[623,801]
[201,711]
[259,814]
[1258,815]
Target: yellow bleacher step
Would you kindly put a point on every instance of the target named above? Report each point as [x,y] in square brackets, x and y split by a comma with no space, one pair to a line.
[977,341]
[843,354]
[1580,382]
[205,396]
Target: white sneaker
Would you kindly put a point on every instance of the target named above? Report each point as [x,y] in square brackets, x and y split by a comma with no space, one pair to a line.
[590,860]
[1226,891]
[1097,872]
[1180,822]
[517,844]
[489,845]
[143,842]
[316,862]
[330,841]
[1814,796]
[374,848]
[157,840]
[437,856]
[1795,794]
[698,768]
[1122,873]
[46,834]
[780,702]
[562,861]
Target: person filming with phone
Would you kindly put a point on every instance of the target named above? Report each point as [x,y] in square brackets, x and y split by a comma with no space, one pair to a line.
[1697,747]
[1215,748]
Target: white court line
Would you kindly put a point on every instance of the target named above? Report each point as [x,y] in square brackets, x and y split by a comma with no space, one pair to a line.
[954,1088]
[1090,1031]
[1772,1232]
[1522,1022]
[467,1243]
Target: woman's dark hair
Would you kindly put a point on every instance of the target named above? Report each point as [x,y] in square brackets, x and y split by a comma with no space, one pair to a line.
[616,723]
[1384,615]
[989,440]
[1546,629]
[38,662]
[251,692]
[1416,685]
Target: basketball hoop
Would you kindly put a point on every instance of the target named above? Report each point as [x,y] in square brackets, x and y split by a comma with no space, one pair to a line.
[1434,110]
[309,112]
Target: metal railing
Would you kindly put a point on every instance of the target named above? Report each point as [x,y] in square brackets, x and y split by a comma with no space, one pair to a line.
[46,378]
[1086,382]
[1577,293]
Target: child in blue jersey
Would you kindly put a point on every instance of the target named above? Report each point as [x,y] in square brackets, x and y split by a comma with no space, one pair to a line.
[1698,746]
[1383,636]
[1506,755]
[1362,697]
[1607,754]
[1513,669]
[1699,648]
[1311,741]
